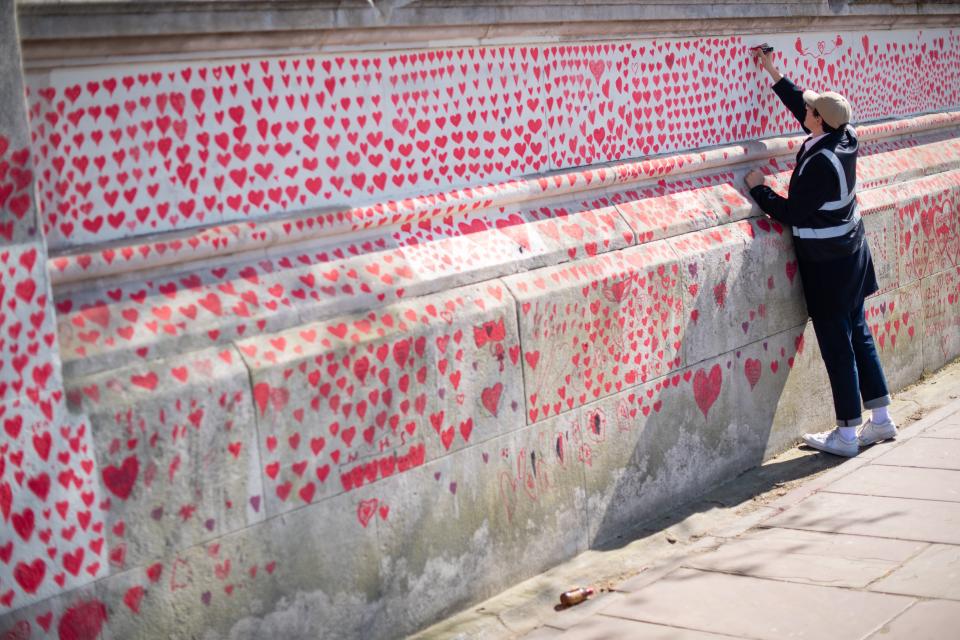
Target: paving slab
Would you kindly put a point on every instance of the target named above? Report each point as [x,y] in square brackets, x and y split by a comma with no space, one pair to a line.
[953,418]
[758,608]
[811,557]
[543,633]
[924,452]
[946,429]
[901,482]
[836,557]
[934,573]
[560,619]
[923,621]
[923,520]
[610,628]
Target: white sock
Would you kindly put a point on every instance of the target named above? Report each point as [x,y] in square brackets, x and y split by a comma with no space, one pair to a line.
[880,415]
[848,433]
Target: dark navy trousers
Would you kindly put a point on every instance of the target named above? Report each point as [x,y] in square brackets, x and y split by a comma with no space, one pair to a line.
[853,365]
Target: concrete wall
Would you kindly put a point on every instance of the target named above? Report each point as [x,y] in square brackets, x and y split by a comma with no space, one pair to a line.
[351,340]
[126,151]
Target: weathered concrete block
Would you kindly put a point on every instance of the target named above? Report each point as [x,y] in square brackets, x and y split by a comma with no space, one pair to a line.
[648,447]
[349,401]
[572,102]
[297,576]
[78,613]
[492,243]
[941,318]
[597,326]
[177,448]
[400,478]
[51,510]
[390,147]
[895,320]
[771,283]
[761,374]
[739,284]
[18,211]
[635,182]
[507,218]
[881,229]
[711,262]
[162,314]
[655,218]
[495,513]
[805,400]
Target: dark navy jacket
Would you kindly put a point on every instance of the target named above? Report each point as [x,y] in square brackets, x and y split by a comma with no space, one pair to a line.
[821,207]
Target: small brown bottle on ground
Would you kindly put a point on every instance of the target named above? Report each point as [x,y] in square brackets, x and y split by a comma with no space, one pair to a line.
[575,596]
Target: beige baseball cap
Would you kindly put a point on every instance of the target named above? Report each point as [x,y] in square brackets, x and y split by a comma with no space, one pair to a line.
[832,107]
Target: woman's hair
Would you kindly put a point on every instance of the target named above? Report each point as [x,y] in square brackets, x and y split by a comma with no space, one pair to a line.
[826,128]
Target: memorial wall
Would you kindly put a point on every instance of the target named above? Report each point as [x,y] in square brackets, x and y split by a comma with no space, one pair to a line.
[336,342]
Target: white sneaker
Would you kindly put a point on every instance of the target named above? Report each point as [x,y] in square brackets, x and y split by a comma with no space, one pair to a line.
[831,442]
[872,432]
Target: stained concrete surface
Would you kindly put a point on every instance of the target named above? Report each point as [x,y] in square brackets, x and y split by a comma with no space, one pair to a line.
[730,537]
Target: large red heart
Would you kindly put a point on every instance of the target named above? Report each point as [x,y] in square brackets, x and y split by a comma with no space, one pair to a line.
[83,622]
[29,576]
[706,388]
[120,480]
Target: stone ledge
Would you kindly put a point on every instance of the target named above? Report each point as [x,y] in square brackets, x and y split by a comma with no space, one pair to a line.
[257,235]
[62,30]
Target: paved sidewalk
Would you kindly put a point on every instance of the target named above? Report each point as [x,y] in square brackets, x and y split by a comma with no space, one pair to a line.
[870,549]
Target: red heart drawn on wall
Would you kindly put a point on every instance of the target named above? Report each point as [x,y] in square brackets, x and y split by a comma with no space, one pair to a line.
[120,480]
[263,393]
[29,576]
[706,387]
[366,510]
[132,598]
[84,621]
[752,368]
[490,397]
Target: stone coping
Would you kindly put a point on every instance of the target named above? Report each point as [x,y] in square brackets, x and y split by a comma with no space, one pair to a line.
[183,308]
[223,240]
[145,27]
